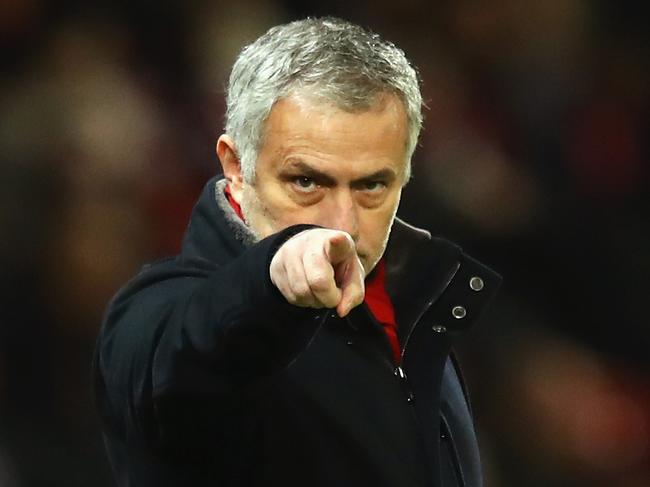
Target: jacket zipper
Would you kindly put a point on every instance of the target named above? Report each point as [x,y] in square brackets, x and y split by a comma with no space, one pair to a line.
[404,383]
[399,371]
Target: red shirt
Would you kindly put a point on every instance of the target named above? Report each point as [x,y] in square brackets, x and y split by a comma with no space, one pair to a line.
[381,307]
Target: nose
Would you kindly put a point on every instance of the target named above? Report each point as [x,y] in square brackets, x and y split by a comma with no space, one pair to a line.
[343,213]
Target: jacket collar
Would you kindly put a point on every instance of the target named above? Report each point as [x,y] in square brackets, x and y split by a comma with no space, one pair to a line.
[215,233]
[418,270]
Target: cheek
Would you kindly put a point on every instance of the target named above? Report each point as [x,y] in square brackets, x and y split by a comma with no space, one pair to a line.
[375,228]
[377,224]
[258,213]
[271,211]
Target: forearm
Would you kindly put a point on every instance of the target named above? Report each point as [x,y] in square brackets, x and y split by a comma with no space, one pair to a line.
[197,337]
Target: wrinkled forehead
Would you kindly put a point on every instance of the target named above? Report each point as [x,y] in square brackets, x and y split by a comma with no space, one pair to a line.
[312,100]
[299,129]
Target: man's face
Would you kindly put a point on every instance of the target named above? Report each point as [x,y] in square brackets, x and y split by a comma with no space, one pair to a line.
[328,167]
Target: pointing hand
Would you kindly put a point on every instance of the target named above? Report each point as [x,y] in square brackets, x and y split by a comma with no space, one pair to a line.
[319,268]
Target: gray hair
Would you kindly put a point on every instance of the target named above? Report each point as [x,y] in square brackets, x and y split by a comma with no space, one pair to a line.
[329,59]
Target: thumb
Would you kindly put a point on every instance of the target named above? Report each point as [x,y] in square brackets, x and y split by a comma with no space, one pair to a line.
[352,287]
[339,247]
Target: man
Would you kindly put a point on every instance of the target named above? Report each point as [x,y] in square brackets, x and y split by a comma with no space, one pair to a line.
[302,336]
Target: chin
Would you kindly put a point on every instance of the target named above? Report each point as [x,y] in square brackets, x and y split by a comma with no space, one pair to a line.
[368,265]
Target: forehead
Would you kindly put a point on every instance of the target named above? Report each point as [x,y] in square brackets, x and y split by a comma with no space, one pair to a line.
[322,135]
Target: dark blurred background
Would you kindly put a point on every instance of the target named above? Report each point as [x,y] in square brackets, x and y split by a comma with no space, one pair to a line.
[534,158]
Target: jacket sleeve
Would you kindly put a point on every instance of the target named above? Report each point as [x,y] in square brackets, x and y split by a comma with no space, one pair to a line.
[194,343]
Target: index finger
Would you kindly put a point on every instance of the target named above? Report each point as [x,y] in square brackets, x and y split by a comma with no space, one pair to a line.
[339,247]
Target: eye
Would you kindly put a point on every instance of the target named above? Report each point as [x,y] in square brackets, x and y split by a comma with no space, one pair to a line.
[304,184]
[374,186]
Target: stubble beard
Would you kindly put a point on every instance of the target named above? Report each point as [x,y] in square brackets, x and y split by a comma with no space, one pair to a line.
[262,224]
[384,243]
[256,215]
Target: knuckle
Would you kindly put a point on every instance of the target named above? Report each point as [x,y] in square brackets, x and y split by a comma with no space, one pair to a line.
[301,289]
[275,269]
[288,295]
[331,301]
[313,254]
[320,282]
[277,257]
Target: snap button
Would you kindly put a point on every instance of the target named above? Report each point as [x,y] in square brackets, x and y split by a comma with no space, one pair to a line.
[439,328]
[476,283]
[399,372]
[458,312]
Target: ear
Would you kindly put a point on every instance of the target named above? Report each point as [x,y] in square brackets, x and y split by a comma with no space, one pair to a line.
[227,153]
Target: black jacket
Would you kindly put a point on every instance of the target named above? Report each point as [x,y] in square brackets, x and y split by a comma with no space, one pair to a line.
[205,375]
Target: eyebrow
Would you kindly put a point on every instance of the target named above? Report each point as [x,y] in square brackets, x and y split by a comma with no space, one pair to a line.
[310,172]
[327,180]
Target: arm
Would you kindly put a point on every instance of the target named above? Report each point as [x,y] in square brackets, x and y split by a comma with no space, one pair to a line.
[204,341]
